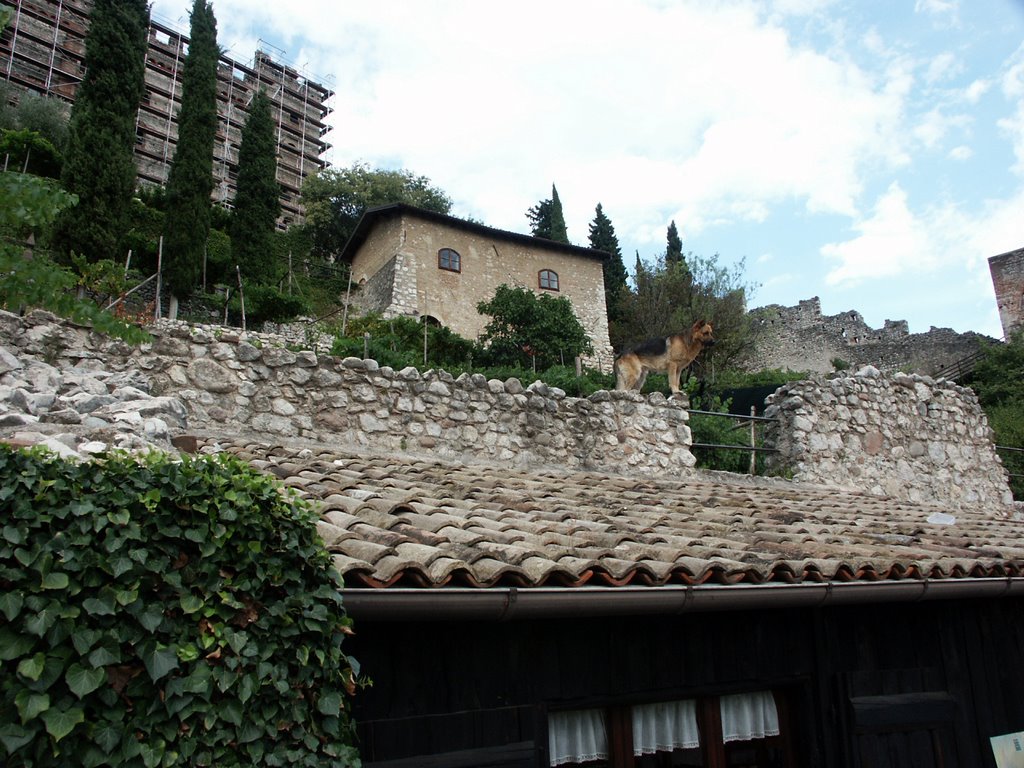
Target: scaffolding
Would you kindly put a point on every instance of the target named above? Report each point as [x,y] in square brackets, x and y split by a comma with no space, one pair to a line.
[43,51]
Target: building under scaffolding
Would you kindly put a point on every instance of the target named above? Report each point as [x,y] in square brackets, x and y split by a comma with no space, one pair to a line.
[43,50]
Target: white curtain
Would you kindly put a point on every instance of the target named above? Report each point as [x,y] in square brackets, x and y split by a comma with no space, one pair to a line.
[577,736]
[665,726]
[747,716]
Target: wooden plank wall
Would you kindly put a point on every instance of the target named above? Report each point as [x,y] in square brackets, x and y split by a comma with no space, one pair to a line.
[470,688]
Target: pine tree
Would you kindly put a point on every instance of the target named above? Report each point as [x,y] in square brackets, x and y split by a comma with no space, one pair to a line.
[99,166]
[187,224]
[674,251]
[602,238]
[257,199]
[547,220]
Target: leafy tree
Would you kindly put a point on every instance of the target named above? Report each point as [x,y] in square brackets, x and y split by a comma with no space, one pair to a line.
[547,219]
[28,204]
[529,329]
[29,152]
[335,200]
[670,297]
[163,611]
[191,176]
[998,380]
[98,166]
[45,115]
[603,238]
[257,202]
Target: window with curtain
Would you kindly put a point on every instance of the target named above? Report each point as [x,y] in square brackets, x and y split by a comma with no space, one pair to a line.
[735,731]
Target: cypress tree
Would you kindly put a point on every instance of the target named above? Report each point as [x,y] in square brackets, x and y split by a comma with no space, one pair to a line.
[99,166]
[190,182]
[603,238]
[558,231]
[547,220]
[674,251]
[257,201]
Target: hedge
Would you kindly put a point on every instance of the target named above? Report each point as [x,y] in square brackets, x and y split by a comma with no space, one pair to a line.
[163,611]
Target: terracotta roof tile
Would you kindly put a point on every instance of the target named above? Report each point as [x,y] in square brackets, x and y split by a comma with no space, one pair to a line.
[394,520]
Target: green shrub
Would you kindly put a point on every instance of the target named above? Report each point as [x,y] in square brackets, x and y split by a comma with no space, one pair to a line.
[265,303]
[157,612]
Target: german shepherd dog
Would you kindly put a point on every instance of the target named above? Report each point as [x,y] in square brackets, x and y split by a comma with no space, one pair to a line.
[670,354]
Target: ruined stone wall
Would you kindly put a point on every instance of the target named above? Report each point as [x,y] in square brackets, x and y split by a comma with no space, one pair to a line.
[800,338]
[253,384]
[905,436]
[1007,271]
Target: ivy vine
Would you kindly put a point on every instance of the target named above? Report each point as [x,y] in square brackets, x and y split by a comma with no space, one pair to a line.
[158,612]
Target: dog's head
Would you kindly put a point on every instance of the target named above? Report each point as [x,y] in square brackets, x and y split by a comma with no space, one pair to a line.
[702,332]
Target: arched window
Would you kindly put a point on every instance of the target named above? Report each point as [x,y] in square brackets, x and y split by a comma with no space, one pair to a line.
[449,259]
[548,279]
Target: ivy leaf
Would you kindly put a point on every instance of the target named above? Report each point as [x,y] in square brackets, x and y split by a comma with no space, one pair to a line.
[161,660]
[55,580]
[107,736]
[30,705]
[10,604]
[32,667]
[190,603]
[42,621]
[13,645]
[329,704]
[59,723]
[13,535]
[14,737]
[83,681]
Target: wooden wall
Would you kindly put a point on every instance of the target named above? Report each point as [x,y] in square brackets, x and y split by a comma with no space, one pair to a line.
[886,685]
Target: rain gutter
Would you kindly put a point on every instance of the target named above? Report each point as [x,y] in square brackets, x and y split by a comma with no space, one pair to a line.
[516,603]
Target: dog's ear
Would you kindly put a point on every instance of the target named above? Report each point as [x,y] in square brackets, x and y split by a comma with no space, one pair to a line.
[699,324]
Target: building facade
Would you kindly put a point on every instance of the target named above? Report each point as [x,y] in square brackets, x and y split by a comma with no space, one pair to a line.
[43,50]
[413,262]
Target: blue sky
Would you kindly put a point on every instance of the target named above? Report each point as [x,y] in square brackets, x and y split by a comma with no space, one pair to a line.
[868,152]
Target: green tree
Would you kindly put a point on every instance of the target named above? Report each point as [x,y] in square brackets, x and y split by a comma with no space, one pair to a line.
[603,238]
[670,297]
[547,219]
[674,246]
[187,224]
[257,202]
[335,200]
[33,131]
[98,165]
[527,329]
[998,380]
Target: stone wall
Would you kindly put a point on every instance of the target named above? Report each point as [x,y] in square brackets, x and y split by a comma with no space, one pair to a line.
[254,384]
[800,338]
[1007,271]
[905,436]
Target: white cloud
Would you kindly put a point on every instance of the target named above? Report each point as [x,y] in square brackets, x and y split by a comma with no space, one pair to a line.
[962,152]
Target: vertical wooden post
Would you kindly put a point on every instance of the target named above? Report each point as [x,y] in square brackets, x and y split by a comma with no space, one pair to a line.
[241,294]
[159,276]
[753,440]
[579,366]
[366,345]
[348,293]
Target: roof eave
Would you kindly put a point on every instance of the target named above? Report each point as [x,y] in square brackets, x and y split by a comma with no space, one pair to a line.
[512,603]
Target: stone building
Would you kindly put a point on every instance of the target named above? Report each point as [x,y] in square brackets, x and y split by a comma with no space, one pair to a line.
[43,51]
[1008,280]
[413,262]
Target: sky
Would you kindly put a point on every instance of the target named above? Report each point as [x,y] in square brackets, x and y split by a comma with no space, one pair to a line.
[867,152]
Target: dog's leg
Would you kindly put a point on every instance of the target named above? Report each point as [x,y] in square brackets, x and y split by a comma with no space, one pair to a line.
[673,377]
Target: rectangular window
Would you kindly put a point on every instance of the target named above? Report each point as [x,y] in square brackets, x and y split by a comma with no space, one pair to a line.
[736,731]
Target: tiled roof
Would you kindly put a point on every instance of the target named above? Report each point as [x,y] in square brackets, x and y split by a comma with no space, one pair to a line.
[401,521]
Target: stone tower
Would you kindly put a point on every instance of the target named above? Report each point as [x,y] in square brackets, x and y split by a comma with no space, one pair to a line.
[1008,280]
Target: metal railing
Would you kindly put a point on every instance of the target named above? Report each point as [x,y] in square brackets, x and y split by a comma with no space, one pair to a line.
[742,422]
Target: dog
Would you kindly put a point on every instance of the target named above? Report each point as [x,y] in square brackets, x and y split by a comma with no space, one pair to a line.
[670,354]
